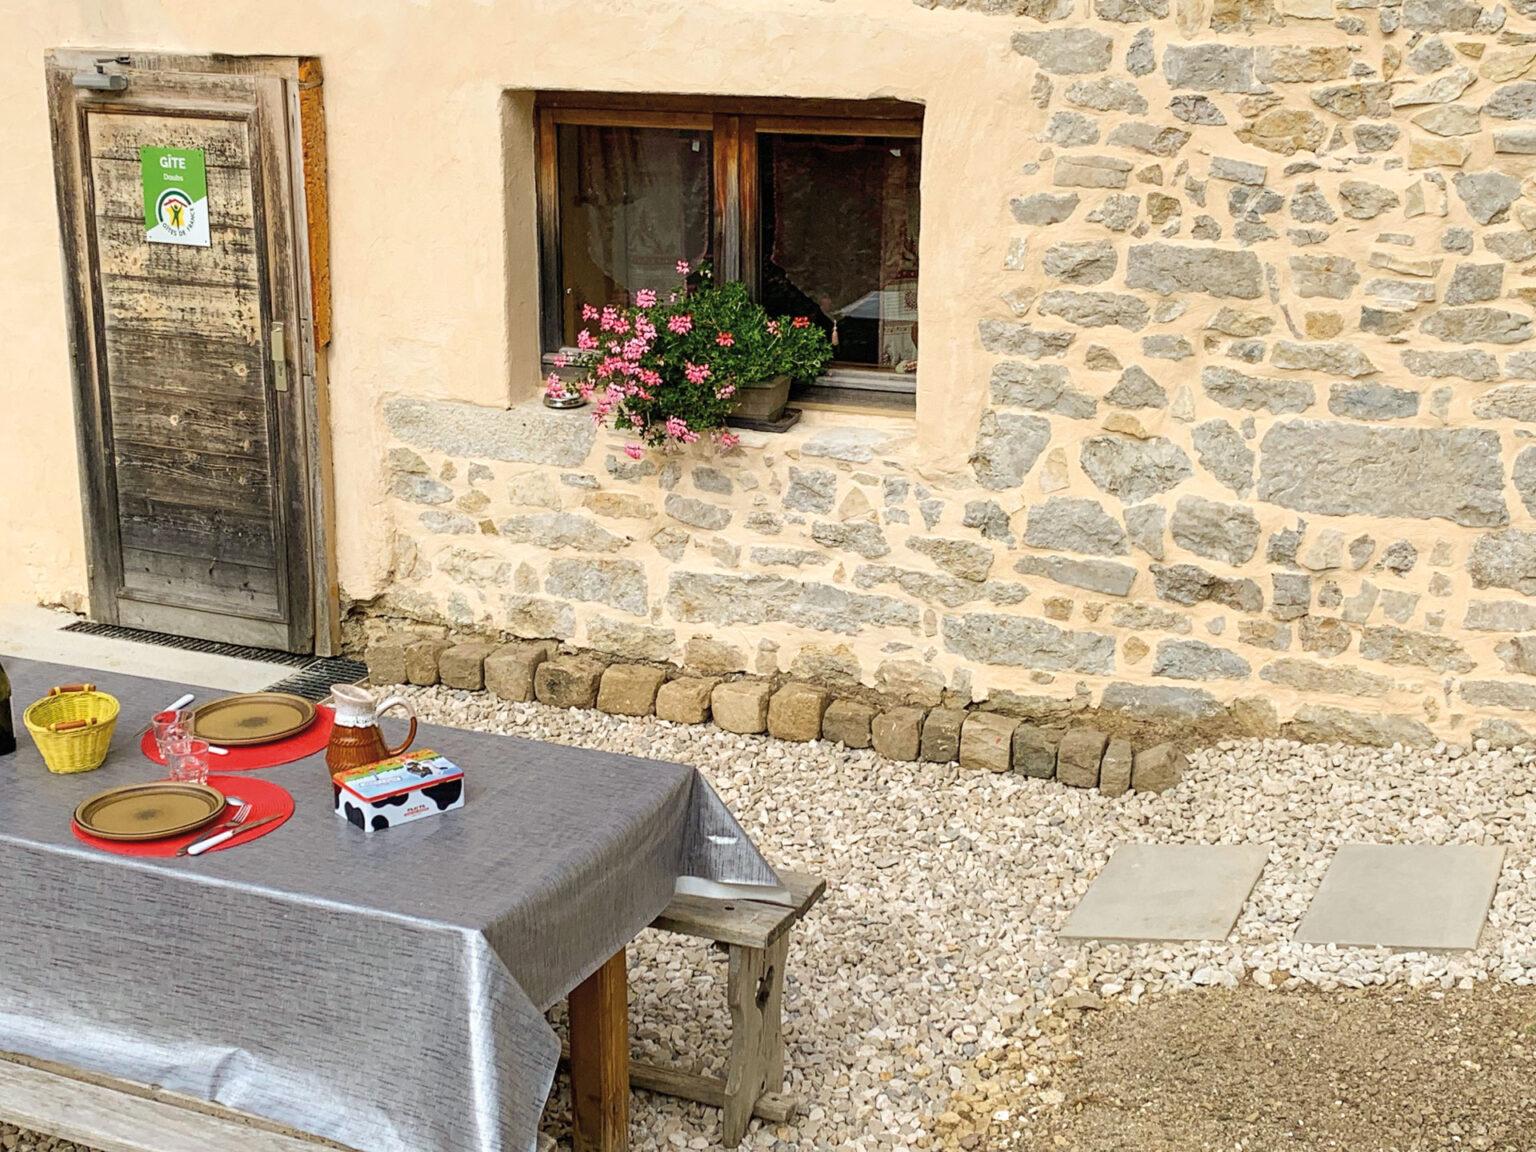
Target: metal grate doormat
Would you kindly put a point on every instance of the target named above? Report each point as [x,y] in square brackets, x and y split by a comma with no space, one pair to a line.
[312,680]
[188,644]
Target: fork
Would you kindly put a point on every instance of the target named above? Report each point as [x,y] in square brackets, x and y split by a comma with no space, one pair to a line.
[242,813]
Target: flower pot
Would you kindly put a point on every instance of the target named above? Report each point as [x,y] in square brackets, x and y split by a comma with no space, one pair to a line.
[763,400]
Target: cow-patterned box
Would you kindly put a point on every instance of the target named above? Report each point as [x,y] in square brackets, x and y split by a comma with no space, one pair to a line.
[399,790]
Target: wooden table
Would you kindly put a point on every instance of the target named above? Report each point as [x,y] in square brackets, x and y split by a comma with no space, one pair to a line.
[586,846]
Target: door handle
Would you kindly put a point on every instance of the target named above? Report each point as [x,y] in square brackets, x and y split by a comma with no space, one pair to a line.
[279,358]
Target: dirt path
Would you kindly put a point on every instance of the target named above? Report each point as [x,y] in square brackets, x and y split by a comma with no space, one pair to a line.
[1250,1070]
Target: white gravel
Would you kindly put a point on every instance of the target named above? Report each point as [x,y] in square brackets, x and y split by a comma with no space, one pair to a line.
[935,950]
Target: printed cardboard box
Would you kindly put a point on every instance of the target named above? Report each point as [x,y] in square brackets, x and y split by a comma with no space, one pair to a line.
[404,788]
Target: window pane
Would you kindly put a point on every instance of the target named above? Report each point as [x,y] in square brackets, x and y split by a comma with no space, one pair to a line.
[633,202]
[839,240]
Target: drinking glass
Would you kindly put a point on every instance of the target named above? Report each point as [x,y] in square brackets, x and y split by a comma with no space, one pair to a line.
[187,760]
[168,727]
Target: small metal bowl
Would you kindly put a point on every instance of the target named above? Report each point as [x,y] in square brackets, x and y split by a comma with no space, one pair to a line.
[569,400]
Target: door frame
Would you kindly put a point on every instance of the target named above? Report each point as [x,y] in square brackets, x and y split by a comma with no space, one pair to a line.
[298,183]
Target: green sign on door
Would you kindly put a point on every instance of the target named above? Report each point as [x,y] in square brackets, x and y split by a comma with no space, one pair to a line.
[175,196]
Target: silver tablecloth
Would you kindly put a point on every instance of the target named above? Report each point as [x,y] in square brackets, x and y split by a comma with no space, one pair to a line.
[384,991]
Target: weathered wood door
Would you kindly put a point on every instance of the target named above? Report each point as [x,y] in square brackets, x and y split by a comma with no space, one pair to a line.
[194,364]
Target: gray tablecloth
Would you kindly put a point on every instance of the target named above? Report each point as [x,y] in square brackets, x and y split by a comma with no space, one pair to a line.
[384,991]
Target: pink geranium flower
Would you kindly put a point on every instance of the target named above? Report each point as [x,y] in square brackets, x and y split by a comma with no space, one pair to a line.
[774,327]
[645,297]
[677,429]
[585,340]
[680,325]
[634,451]
[729,439]
[696,373]
[725,391]
[724,339]
[588,312]
[683,268]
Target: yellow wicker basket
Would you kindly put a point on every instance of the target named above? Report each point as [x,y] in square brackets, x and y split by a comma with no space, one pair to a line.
[73,726]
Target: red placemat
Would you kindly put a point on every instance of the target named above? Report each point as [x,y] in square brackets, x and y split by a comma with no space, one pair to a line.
[244,759]
[266,799]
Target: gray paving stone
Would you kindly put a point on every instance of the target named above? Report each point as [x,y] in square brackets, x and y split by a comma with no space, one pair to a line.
[1168,892]
[1420,897]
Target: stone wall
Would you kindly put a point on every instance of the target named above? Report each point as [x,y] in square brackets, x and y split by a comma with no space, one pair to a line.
[1256,444]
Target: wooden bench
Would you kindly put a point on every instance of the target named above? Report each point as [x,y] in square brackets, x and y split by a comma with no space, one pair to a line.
[117,1116]
[755,936]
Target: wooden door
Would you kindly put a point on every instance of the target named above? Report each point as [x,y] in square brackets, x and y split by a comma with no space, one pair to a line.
[194,359]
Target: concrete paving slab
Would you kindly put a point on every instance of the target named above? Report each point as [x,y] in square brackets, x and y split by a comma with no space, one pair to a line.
[37,634]
[1414,897]
[1168,892]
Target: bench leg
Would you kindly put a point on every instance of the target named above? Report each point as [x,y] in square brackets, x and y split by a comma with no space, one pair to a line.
[599,1012]
[755,991]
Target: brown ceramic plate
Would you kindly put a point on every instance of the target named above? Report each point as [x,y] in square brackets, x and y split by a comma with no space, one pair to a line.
[152,811]
[252,718]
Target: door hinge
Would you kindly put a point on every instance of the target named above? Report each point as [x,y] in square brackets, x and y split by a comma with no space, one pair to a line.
[279,359]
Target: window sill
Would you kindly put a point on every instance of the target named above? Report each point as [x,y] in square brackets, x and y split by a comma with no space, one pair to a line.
[852,390]
[826,395]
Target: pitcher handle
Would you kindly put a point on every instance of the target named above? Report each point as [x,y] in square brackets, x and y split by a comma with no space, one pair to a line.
[402,702]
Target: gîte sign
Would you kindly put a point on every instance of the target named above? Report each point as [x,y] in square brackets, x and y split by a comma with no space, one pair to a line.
[175,196]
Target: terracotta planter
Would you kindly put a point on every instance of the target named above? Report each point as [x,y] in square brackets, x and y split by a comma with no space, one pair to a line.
[763,400]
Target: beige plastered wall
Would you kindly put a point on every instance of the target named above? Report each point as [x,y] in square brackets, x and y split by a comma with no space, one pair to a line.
[434,266]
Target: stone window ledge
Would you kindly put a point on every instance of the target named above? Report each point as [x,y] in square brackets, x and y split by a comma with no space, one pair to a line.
[530,433]
[841,390]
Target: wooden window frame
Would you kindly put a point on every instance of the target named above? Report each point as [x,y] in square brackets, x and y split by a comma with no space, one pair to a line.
[734,124]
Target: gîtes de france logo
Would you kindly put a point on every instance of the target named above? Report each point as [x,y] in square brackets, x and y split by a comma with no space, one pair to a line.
[177,215]
[175,196]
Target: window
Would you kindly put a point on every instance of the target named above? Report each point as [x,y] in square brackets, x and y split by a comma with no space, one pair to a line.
[812,204]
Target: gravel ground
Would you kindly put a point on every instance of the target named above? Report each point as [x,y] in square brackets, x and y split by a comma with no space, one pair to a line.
[928,991]
[933,964]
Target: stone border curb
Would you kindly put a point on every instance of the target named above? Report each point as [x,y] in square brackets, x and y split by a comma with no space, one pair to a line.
[796,711]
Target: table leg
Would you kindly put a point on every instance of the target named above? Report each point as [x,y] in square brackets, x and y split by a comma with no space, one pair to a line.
[599,1014]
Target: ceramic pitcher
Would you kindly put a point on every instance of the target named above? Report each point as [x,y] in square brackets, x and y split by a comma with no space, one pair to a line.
[356,739]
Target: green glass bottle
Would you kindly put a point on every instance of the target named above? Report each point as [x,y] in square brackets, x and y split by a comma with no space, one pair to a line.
[7,721]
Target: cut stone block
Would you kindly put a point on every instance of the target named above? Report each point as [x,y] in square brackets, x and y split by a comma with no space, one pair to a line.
[421,661]
[941,735]
[1158,769]
[1078,756]
[386,663]
[629,689]
[684,701]
[510,669]
[463,665]
[1115,768]
[1430,897]
[1168,892]
[848,722]
[986,741]
[896,734]
[568,682]
[1034,752]
[795,712]
[741,705]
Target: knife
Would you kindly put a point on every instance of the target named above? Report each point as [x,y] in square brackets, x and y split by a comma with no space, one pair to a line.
[214,841]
